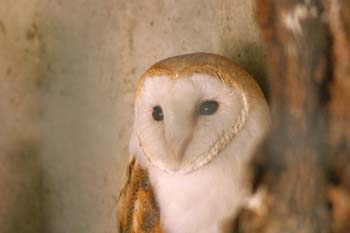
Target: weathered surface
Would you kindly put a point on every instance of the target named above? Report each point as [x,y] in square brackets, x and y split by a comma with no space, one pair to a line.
[21,208]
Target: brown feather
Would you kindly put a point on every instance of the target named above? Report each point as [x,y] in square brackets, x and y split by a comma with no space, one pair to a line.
[138,210]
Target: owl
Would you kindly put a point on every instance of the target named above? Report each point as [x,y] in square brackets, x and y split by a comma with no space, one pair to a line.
[199,119]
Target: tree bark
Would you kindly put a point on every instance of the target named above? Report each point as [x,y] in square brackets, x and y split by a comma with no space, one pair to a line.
[338,15]
[308,160]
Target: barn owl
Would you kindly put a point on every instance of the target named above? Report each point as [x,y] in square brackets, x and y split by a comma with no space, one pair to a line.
[199,119]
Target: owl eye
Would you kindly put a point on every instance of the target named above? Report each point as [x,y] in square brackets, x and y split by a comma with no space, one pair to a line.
[208,107]
[157,113]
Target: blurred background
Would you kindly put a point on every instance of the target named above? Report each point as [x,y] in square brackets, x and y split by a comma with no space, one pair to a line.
[68,72]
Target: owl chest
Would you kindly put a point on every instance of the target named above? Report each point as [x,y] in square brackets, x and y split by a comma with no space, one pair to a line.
[203,202]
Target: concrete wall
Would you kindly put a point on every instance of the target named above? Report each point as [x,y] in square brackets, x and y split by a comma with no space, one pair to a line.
[68,71]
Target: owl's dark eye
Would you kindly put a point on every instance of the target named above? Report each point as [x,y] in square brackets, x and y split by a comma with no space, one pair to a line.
[157,113]
[208,107]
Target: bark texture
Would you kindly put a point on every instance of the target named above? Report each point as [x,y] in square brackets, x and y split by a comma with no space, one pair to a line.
[338,15]
[307,169]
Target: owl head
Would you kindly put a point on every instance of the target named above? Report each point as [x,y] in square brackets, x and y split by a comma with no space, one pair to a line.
[190,108]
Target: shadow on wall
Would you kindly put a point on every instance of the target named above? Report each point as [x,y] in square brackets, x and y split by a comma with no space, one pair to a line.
[252,58]
[250,55]
[22,206]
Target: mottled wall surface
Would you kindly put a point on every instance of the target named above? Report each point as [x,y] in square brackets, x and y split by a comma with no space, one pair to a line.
[68,75]
[20,167]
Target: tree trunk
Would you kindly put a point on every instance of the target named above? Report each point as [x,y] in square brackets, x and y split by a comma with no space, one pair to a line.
[338,15]
[308,160]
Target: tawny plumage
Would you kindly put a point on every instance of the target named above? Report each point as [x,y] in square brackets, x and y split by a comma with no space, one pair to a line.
[138,211]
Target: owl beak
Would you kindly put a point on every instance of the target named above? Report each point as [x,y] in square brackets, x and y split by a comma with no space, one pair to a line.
[178,143]
[179,148]
[178,129]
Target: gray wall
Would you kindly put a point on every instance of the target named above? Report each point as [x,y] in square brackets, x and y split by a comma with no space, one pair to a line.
[68,71]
